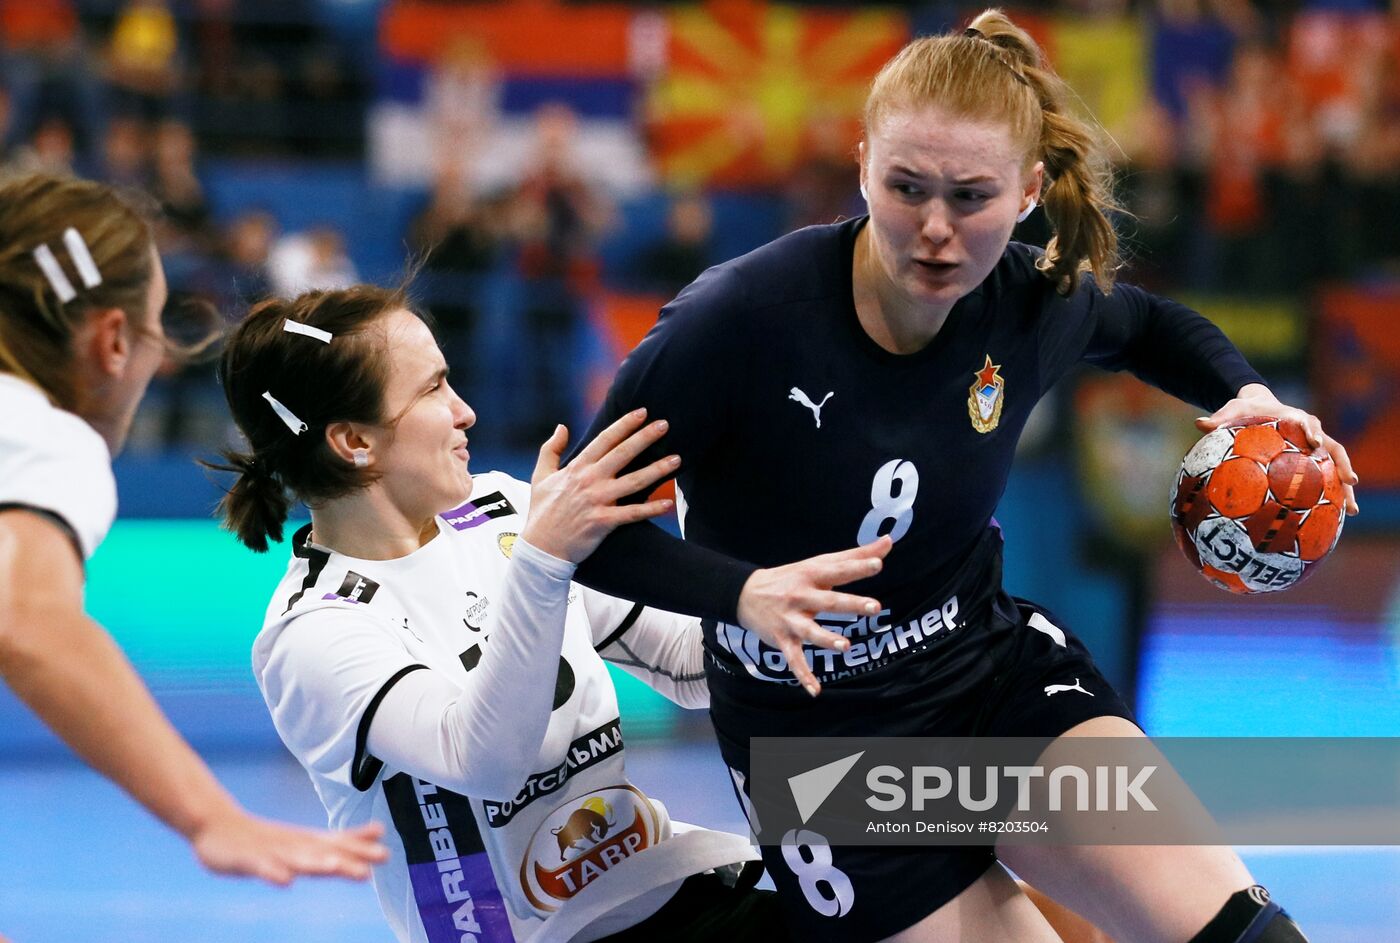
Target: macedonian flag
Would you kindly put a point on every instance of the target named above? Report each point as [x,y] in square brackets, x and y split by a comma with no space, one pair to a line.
[747,85]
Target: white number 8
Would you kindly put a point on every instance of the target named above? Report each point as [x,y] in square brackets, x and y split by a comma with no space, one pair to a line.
[886,505]
[816,875]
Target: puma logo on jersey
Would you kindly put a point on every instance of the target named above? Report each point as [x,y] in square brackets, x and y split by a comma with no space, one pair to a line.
[1062,688]
[797,396]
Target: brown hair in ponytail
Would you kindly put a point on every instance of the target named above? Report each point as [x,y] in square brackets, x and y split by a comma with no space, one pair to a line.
[320,383]
[995,69]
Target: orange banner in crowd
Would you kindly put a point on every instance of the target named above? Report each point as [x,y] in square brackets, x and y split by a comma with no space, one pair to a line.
[747,84]
[1356,375]
[524,37]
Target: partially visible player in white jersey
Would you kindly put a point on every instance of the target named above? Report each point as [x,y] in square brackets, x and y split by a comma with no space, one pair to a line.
[81,293]
[431,665]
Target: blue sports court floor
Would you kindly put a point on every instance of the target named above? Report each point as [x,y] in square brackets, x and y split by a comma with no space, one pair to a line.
[79,862]
[82,864]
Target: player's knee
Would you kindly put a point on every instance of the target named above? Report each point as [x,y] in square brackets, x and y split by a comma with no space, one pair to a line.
[1250,916]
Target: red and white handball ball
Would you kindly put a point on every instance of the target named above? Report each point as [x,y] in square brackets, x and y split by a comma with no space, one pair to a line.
[1255,508]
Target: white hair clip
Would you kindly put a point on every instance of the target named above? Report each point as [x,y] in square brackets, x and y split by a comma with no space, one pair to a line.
[82,261]
[82,258]
[48,264]
[286,415]
[306,330]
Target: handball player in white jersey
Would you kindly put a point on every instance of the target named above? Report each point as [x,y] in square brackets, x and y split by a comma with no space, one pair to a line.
[429,662]
[81,293]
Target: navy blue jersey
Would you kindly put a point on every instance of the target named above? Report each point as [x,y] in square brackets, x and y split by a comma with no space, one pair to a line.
[800,435]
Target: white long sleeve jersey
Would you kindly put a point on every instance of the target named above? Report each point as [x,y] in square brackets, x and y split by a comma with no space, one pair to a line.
[461,698]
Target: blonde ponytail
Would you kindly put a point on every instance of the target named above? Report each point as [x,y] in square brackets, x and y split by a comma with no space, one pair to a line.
[995,69]
[1079,197]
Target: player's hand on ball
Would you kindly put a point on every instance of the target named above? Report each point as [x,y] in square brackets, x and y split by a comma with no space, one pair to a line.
[1256,400]
[780,604]
[573,508]
[240,844]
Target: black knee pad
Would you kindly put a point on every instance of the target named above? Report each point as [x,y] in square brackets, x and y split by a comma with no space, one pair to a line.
[1250,916]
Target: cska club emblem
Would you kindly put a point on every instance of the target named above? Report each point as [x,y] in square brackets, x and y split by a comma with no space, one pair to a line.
[985,396]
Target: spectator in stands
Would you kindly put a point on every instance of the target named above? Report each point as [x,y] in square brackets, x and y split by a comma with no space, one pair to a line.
[187,222]
[557,216]
[455,232]
[1244,137]
[125,153]
[50,150]
[679,257]
[1154,192]
[458,236]
[311,260]
[43,66]
[247,248]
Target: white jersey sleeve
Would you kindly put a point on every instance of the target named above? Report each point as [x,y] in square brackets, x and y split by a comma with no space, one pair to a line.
[334,678]
[662,649]
[482,738]
[54,462]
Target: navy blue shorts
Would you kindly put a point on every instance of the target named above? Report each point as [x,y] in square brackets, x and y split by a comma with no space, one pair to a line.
[989,678]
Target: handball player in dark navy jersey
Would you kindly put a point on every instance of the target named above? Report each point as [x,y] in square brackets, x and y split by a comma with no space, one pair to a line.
[866,382]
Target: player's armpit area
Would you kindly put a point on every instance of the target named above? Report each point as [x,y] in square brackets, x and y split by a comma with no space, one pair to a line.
[627,622]
[45,514]
[41,570]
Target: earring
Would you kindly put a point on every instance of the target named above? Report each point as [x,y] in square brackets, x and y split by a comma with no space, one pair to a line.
[362,458]
[1021,218]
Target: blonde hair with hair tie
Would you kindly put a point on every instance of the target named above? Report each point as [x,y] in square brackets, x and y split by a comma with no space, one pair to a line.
[995,70]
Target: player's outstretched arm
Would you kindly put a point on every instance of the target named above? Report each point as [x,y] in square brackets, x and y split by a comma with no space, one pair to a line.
[70,672]
[241,844]
[1257,400]
[780,604]
[483,737]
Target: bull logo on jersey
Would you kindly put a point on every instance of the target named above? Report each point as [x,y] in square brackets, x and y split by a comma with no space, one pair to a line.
[585,828]
[985,396]
[582,840]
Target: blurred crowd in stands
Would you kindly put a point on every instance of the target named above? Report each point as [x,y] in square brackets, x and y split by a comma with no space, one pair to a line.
[1262,158]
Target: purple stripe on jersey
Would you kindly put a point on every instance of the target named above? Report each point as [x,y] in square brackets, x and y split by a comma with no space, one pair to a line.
[341,598]
[479,510]
[466,517]
[448,865]
[459,896]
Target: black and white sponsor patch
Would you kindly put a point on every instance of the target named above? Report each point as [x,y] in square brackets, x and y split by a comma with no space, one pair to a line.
[479,510]
[587,750]
[355,588]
